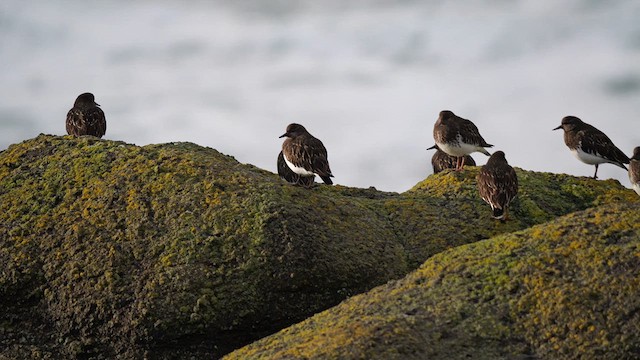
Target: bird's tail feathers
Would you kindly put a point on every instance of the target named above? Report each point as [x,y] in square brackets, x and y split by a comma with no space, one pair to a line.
[327,179]
[499,214]
[620,164]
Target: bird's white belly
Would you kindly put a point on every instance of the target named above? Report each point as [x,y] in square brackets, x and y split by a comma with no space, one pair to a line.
[588,158]
[636,187]
[298,170]
[459,149]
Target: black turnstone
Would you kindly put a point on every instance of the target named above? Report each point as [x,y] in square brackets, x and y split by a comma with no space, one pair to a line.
[590,145]
[286,174]
[442,161]
[86,117]
[498,184]
[458,137]
[304,154]
[634,170]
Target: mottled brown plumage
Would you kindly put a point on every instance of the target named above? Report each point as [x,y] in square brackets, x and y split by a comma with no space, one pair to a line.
[458,137]
[441,161]
[497,184]
[590,145]
[634,170]
[288,175]
[86,117]
[304,154]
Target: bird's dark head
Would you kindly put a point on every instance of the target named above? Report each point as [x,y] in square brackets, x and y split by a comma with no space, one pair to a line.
[497,157]
[636,153]
[569,123]
[445,116]
[85,100]
[294,130]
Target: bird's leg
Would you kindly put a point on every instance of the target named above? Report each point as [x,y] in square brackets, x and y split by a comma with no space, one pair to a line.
[457,163]
[595,175]
[462,163]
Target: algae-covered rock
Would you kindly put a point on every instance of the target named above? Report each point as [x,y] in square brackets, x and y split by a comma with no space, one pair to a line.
[120,249]
[563,290]
[445,209]
[111,249]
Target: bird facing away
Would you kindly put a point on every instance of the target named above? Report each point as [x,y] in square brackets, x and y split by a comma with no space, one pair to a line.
[86,117]
[442,161]
[458,137]
[286,174]
[304,154]
[590,145]
[498,184]
[634,170]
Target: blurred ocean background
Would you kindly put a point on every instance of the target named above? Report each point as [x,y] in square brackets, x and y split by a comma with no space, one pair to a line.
[367,77]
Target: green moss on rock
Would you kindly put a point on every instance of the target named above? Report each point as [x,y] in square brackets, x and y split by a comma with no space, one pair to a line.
[445,209]
[177,250]
[124,247]
[567,289]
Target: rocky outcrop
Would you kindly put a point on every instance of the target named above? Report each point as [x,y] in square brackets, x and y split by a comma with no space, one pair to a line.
[175,250]
[563,290]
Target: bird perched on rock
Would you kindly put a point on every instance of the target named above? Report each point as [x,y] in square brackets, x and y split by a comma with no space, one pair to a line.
[86,117]
[442,161]
[458,137]
[304,154]
[634,170]
[288,175]
[498,184]
[590,145]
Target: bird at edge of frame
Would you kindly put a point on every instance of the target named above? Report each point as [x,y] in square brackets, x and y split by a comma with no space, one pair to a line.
[634,170]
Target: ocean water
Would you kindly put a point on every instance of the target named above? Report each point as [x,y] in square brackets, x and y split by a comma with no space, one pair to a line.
[368,78]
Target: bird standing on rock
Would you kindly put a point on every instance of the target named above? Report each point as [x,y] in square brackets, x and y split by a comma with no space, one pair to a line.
[498,184]
[590,145]
[441,161]
[86,117]
[634,170]
[304,154]
[458,137]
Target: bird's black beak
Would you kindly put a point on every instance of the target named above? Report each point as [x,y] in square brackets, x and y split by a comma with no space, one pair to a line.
[559,127]
[283,135]
[96,104]
[431,148]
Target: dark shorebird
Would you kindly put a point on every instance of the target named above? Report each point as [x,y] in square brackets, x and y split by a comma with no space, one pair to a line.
[304,154]
[86,117]
[288,175]
[458,137]
[442,161]
[590,145]
[498,184]
[634,170]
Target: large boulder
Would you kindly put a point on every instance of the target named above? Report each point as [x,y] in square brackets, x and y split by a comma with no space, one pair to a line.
[175,250]
[563,290]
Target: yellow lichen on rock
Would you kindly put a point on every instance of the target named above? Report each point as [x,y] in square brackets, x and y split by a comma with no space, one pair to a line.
[114,249]
[531,294]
